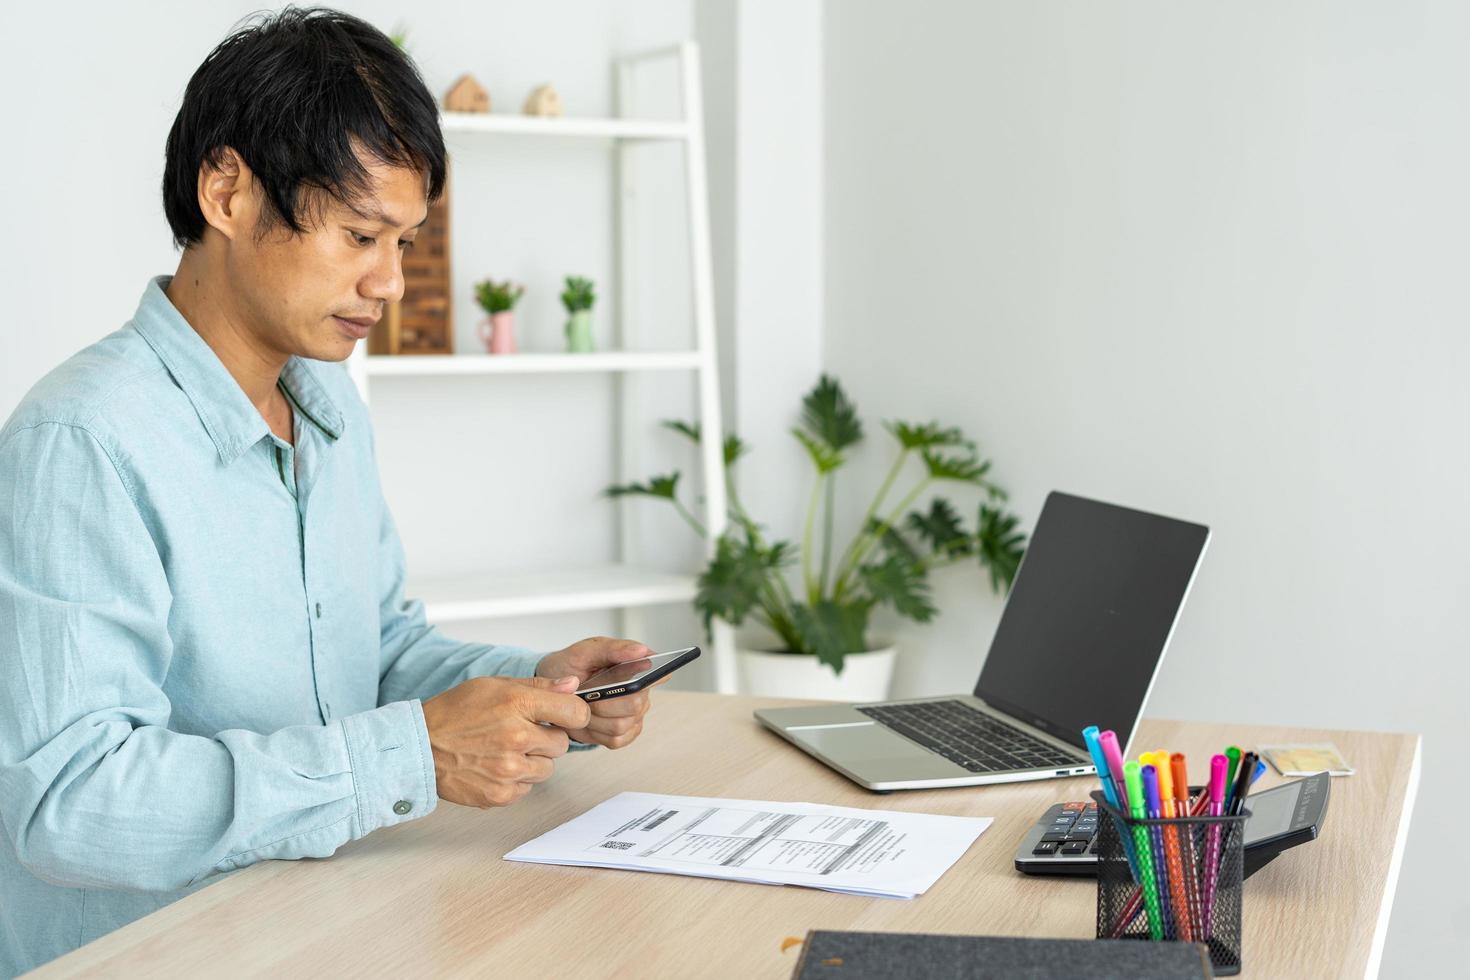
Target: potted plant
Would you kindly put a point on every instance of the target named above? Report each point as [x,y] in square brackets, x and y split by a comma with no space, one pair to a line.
[820,623]
[577,298]
[499,300]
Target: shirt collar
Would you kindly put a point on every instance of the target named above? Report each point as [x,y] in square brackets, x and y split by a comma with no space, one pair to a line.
[229,417]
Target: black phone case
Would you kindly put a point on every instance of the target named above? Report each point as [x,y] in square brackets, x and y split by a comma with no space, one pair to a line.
[633,687]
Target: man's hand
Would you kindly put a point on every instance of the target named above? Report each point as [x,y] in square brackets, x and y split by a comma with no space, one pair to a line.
[489,746]
[617,721]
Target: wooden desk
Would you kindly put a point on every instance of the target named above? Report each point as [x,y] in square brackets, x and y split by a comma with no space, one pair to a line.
[434,897]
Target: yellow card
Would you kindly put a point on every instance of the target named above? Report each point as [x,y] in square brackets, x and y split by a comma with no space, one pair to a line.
[1307,759]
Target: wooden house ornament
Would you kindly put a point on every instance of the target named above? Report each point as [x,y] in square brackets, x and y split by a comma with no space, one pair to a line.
[543,101]
[466,95]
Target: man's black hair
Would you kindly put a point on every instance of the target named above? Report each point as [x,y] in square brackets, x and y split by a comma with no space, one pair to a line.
[297,93]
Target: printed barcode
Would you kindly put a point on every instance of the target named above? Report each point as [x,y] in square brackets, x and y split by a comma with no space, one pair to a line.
[617,845]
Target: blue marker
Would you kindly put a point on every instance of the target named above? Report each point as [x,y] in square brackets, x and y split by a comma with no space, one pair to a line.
[1154,811]
[1260,771]
[1090,736]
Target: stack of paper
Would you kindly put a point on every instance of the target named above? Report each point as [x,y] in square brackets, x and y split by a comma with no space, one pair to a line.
[839,849]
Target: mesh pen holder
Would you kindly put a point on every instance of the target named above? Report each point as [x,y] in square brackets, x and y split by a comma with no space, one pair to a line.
[1196,898]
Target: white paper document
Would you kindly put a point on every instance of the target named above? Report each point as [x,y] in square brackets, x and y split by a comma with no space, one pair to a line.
[840,849]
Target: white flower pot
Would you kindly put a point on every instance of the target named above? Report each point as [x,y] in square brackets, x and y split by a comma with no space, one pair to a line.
[865,676]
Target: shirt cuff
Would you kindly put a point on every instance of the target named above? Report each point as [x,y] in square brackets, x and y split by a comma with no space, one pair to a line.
[392,765]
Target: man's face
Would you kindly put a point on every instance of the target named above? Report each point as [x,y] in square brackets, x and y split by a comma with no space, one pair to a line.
[317,294]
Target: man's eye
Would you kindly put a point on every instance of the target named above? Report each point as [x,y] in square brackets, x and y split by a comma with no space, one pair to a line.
[361,239]
[405,244]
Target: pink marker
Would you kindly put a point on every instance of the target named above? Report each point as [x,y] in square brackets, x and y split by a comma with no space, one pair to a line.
[1218,767]
[1113,753]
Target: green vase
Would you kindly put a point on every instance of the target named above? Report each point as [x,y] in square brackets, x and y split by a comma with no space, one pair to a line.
[579,332]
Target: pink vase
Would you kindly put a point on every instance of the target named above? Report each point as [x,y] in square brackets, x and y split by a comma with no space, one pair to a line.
[498,333]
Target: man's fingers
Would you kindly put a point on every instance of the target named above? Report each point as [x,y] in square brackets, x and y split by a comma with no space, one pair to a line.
[549,742]
[614,726]
[565,685]
[538,769]
[631,704]
[564,710]
[620,651]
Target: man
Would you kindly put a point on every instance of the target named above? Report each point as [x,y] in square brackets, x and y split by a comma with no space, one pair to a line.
[206,656]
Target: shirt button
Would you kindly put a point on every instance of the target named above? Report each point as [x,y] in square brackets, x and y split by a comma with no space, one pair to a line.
[318,610]
[402,807]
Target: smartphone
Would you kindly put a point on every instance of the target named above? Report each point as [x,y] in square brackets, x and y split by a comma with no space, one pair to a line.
[634,675]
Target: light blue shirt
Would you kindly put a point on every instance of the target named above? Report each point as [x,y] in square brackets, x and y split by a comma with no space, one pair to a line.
[206,656]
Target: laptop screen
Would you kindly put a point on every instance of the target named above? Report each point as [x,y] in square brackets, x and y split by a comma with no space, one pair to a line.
[1088,617]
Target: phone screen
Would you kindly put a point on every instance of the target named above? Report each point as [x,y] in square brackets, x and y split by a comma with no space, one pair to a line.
[631,670]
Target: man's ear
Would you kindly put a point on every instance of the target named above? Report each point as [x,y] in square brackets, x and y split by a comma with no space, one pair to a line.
[227,194]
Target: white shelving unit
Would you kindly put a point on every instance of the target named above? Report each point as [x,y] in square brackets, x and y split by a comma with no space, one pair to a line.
[622,586]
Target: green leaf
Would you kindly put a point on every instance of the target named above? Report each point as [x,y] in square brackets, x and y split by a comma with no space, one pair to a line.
[579,294]
[965,468]
[923,436]
[941,528]
[730,585]
[688,429]
[657,486]
[498,297]
[831,630]
[901,583]
[734,446]
[892,541]
[1001,546]
[823,456]
[829,417]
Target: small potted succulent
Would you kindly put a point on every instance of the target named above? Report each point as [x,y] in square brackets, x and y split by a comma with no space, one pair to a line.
[817,623]
[578,297]
[499,300]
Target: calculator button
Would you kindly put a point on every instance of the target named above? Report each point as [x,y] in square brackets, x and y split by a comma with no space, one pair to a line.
[1074,847]
[1046,847]
[1054,836]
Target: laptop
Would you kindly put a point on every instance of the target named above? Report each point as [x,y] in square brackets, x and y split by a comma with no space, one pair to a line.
[1090,613]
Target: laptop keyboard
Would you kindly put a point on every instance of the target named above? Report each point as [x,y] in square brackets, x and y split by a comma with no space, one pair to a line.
[967,737]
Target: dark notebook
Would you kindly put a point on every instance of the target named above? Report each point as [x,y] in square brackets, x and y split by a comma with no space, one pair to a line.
[830,955]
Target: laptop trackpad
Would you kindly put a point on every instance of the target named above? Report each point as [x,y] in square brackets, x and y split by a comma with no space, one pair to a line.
[856,745]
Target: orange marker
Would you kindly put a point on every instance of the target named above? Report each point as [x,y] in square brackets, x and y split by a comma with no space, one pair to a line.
[1179,771]
[1178,896]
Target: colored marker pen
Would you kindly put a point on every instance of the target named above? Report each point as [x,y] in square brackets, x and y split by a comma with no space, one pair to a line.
[1219,765]
[1233,754]
[1113,753]
[1133,782]
[1149,776]
[1179,776]
[1105,772]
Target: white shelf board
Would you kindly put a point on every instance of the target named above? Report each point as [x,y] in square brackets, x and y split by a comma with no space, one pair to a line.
[492,596]
[422,364]
[564,126]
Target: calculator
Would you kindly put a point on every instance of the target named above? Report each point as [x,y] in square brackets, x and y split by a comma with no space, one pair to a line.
[1064,840]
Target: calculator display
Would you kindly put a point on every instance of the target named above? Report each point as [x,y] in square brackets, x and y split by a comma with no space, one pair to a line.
[1272,812]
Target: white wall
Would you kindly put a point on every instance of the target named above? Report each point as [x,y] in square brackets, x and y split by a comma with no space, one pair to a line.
[1206,259]
[764,100]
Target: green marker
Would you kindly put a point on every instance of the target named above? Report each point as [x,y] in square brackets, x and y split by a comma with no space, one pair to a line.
[1233,754]
[1133,784]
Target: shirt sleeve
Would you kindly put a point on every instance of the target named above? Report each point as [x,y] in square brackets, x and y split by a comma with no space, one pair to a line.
[95,789]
